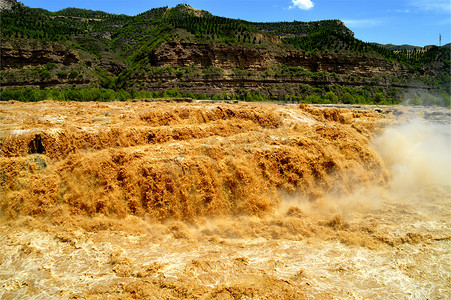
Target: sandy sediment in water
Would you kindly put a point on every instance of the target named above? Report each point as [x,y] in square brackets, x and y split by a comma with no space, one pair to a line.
[201,200]
[181,161]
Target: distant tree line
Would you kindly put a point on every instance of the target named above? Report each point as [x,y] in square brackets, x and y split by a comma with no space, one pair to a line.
[330,95]
[43,25]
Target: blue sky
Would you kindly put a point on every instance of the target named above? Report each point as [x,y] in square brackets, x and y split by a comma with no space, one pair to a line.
[414,22]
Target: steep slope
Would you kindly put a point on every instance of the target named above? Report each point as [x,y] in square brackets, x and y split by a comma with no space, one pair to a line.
[192,51]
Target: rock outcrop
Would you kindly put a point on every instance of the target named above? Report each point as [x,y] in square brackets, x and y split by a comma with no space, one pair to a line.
[29,54]
[7,4]
[228,57]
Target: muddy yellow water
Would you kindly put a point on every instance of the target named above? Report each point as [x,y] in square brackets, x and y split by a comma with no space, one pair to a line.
[224,201]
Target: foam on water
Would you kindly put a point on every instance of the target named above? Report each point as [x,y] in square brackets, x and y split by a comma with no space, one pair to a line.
[217,201]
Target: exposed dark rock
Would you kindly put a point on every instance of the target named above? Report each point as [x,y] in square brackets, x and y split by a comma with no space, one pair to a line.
[36,146]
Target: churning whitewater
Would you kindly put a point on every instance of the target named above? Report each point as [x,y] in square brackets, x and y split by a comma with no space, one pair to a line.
[226,201]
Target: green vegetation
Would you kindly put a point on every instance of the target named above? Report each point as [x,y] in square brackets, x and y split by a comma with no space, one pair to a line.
[91,94]
[330,39]
[116,59]
[297,28]
[43,25]
[214,28]
[345,96]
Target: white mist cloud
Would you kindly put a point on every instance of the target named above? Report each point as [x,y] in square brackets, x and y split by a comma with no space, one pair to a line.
[363,23]
[442,6]
[417,154]
[400,11]
[302,4]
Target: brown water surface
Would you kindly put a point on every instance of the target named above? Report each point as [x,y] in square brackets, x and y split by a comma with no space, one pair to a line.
[227,201]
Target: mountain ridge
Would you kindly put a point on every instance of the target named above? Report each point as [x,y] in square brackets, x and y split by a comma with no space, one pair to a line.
[135,52]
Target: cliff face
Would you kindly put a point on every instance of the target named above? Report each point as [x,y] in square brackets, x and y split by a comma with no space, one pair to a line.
[20,55]
[227,57]
[28,55]
[241,67]
[205,55]
[31,63]
[7,4]
[221,68]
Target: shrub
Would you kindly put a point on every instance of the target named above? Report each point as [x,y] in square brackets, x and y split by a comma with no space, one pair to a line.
[331,97]
[45,74]
[73,74]
[61,74]
[348,98]
[379,98]
[50,65]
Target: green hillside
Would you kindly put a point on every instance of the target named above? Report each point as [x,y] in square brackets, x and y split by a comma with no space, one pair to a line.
[123,52]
